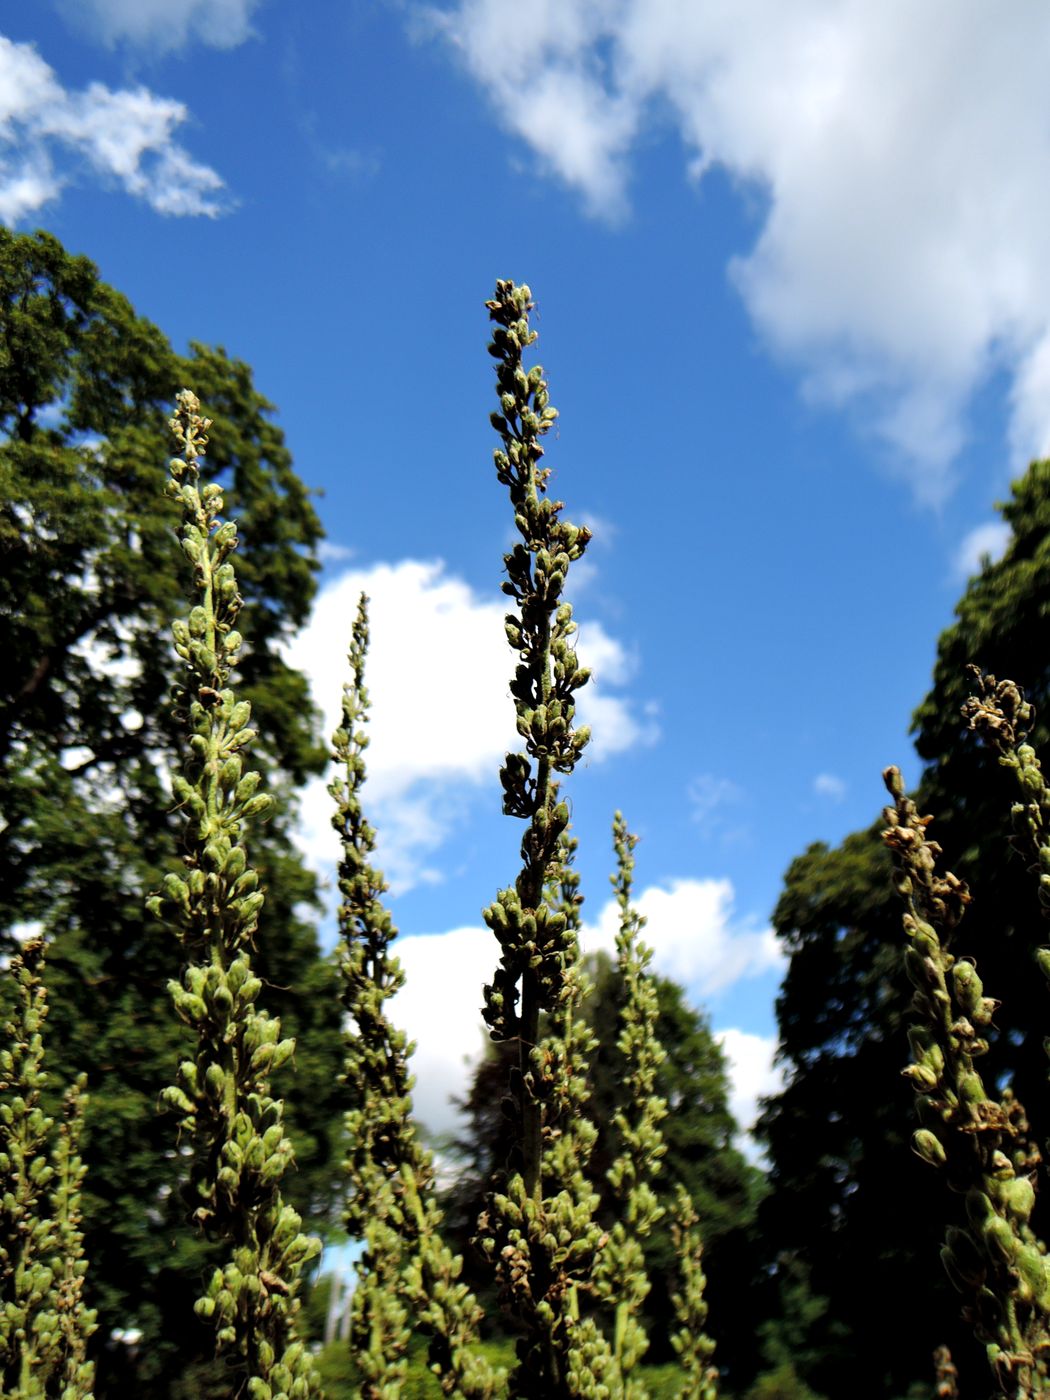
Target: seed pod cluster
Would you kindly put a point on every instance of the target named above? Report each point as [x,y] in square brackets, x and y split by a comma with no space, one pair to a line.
[240,1148]
[408,1276]
[1000,714]
[994,1258]
[692,1345]
[546,677]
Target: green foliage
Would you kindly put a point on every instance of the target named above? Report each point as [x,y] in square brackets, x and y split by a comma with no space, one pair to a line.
[848,1198]
[88,586]
[44,1326]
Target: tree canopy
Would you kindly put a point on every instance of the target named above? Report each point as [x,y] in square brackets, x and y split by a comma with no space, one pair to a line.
[89,581]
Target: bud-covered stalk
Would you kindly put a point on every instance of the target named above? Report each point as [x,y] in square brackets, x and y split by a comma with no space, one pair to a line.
[946,1375]
[408,1276]
[240,1148]
[622,1277]
[983,1143]
[1001,715]
[691,1343]
[542,1236]
[76,1323]
[43,1326]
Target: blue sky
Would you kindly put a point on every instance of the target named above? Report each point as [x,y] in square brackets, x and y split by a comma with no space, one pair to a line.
[795,311]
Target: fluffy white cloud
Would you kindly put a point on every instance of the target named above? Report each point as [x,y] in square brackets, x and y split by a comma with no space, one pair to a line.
[694,935]
[164,24]
[49,134]
[752,1073]
[694,939]
[901,151]
[829,785]
[988,540]
[441,719]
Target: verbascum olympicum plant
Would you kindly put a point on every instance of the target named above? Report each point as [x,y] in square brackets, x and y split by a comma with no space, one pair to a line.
[541,1234]
[408,1277]
[693,1347]
[999,713]
[44,1326]
[982,1142]
[622,1279]
[240,1147]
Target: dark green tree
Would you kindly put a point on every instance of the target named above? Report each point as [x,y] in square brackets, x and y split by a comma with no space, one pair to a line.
[89,581]
[849,1198]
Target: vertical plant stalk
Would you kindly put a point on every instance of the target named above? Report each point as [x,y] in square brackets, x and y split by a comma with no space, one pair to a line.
[240,1148]
[999,713]
[692,1345]
[544,1246]
[983,1144]
[622,1277]
[76,1323]
[409,1276]
[44,1328]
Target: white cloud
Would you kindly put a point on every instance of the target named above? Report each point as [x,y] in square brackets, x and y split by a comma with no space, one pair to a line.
[752,1073]
[710,797]
[441,720]
[901,151]
[695,936]
[989,540]
[164,24]
[49,135]
[829,785]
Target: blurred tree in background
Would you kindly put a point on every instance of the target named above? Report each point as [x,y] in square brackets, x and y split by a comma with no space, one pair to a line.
[853,1218]
[89,581]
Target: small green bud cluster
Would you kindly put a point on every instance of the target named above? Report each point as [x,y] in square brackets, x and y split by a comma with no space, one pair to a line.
[240,1147]
[407,1275]
[622,1277]
[44,1326]
[983,1143]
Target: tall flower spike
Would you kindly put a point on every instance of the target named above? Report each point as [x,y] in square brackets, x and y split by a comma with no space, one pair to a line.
[691,1343]
[623,1281]
[408,1275]
[994,1259]
[43,1326]
[240,1148]
[543,1245]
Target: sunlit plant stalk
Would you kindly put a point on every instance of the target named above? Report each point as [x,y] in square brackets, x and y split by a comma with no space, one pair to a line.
[240,1147]
[994,1259]
[622,1277]
[693,1347]
[44,1326]
[541,1234]
[408,1276]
